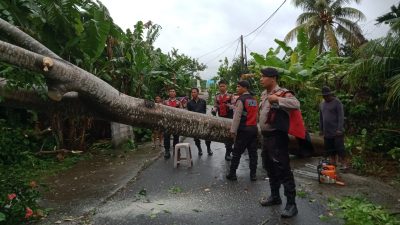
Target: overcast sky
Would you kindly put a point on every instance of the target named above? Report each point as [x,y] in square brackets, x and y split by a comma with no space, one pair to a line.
[197,27]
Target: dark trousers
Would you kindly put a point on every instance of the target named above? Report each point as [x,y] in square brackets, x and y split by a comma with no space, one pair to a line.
[198,144]
[229,144]
[167,141]
[334,145]
[228,147]
[246,138]
[275,159]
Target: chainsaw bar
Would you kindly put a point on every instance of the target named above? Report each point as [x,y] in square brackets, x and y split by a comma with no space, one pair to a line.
[311,166]
[306,173]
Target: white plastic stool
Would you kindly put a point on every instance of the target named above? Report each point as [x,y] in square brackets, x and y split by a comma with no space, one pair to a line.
[177,154]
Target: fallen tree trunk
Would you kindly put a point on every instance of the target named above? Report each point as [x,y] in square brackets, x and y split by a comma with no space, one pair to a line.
[70,87]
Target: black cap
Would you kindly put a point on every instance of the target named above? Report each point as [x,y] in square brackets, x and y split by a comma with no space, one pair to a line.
[244,83]
[269,72]
[326,91]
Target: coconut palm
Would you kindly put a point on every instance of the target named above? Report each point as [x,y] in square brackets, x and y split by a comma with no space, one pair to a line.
[327,22]
[392,18]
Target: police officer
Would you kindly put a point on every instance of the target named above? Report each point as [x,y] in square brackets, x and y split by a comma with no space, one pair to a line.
[199,105]
[274,124]
[244,130]
[223,106]
[171,102]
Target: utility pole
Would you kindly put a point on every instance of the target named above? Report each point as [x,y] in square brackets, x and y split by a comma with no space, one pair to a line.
[245,59]
[241,55]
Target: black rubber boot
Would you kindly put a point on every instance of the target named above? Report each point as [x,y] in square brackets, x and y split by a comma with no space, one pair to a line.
[231,176]
[200,150]
[167,155]
[209,151]
[271,200]
[253,176]
[228,156]
[290,210]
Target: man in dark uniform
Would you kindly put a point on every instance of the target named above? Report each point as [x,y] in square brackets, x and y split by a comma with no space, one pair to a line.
[223,106]
[172,102]
[199,105]
[244,130]
[274,124]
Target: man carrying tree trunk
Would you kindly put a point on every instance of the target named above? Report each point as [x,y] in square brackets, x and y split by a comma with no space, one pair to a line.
[171,102]
[275,106]
[222,106]
[199,105]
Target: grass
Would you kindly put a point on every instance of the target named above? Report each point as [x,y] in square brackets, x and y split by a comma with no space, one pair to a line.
[358,210]
[175,190]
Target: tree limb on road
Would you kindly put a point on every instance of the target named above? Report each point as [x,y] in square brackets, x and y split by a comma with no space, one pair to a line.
[96,97]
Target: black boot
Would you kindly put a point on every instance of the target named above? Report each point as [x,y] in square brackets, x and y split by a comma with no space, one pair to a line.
[253,176]
[200,150]
[209,151]
[271,200]
[228,156]
[231,176]
[289,211]
[167,155]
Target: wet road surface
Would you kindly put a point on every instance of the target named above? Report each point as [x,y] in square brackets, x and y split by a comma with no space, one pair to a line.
[162,194]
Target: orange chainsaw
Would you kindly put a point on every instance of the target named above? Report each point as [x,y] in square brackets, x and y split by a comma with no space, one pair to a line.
[326,173]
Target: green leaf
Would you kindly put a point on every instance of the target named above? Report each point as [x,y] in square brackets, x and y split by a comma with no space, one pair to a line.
[311,57]
[143,192]
[2,217]
[294,58]
[274,61]
[175,190]
[288,50]
[302,41]
[259,59]
[95,35]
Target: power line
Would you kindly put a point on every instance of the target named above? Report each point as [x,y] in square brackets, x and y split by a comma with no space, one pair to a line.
[230,43]
[237,47]
[265,20]
[212,51]
[221,52]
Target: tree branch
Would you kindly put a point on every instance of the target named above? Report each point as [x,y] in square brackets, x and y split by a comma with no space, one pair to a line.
[25,40]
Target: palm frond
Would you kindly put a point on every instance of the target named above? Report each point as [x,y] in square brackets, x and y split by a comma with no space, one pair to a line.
[339,3]
[350,13]
[394,13]
[292,34]
[305,17]
[394,89]
[306,5]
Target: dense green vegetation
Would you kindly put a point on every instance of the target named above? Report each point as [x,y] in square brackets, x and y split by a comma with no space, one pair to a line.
[366,78]
[83,33]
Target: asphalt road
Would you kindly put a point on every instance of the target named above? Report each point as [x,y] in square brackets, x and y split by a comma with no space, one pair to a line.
[161,194]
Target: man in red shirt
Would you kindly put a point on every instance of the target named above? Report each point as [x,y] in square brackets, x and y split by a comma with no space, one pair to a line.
[171,102]
[224,108]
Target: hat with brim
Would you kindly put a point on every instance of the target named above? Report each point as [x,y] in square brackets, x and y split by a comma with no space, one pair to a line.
[325,91]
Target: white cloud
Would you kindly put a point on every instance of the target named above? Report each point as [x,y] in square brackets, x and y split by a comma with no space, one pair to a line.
[196,27]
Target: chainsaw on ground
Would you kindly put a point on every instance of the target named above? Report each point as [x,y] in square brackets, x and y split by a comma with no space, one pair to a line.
[326,173]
